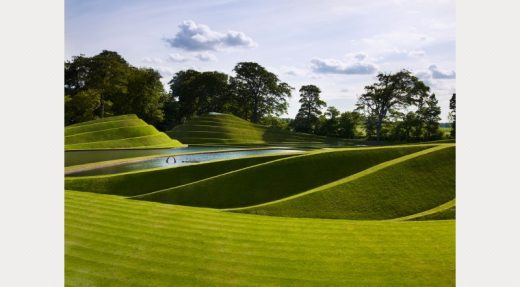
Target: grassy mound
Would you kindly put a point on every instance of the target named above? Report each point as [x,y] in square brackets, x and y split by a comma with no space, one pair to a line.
[229,129]
[278,179]
[398,188]
[126,131]
[73,130]
[111,241]
[134,183]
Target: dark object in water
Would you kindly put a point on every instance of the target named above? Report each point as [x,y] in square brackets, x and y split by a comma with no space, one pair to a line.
[168,158]
[191,161]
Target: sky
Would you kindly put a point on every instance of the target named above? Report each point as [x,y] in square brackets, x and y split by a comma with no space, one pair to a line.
[339,46]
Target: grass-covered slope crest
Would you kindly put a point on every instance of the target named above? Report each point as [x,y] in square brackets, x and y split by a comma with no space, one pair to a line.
[125,131]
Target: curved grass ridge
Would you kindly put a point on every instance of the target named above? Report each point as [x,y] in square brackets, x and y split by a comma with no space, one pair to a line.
[277,179]
[441,212]
[73,130]
[396,188]
[140,182]
[126,131]
[110,241]
[229,129]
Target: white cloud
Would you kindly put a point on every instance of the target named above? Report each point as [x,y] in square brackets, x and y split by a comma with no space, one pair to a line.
[177,58]
[294,71]
[205,57]
[152,60]
[439,74]
[356,65]
[200,37]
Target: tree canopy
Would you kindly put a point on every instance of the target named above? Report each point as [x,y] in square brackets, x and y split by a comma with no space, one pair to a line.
[391,92]
[258,92]
[311,104]
[121,87]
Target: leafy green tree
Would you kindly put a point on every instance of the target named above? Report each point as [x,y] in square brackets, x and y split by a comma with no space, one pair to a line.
[452,115]
[274,121]
[82,107]
[311,104]
[183,91]
[122,88]
[200,93]
[108,73]
[348,124]
[392,91]
[146,96]
[429,114]
[330,124]
[258,92]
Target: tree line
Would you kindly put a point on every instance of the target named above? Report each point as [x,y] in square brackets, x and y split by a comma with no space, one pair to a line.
[397,107]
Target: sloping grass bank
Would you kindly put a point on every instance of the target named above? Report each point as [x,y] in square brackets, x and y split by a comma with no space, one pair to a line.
[225,129]
[134,183]
[397,188]
[126,131]
[278,179]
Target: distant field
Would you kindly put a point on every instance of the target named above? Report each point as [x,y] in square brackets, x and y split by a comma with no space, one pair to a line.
[126,131]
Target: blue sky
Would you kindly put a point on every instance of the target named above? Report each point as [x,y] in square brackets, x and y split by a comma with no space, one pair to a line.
[339,46]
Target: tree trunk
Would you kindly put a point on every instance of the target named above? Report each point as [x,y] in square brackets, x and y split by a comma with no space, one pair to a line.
[102,111]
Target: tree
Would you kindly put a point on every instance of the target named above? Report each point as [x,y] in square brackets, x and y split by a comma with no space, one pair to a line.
[392,91]
[200,93]
[258,92]
[82,107]
[330,125]
[452,115]
[122,88]
[277,122]
[108,73]
[348,123]
[429,114]
[211,89]
[146,96]
[183,91]
[310,109]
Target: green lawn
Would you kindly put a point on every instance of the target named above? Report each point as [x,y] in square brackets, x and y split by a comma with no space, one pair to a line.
[278,179]
[113,241]
[126,131]
[396,188]
[371,216]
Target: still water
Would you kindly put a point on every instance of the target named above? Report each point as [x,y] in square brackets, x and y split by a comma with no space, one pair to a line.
[176,160]
[89,156]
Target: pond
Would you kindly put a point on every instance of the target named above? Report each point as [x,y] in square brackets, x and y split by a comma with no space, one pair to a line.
[76,157]
[176,160]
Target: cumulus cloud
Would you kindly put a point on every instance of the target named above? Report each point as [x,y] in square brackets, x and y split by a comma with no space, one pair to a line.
[293,71]
[439,74]
[200,37]
[332,66]
[205,57]
[152,60]
[177,58]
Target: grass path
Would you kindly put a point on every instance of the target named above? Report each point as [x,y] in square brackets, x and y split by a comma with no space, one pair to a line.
[112,241]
